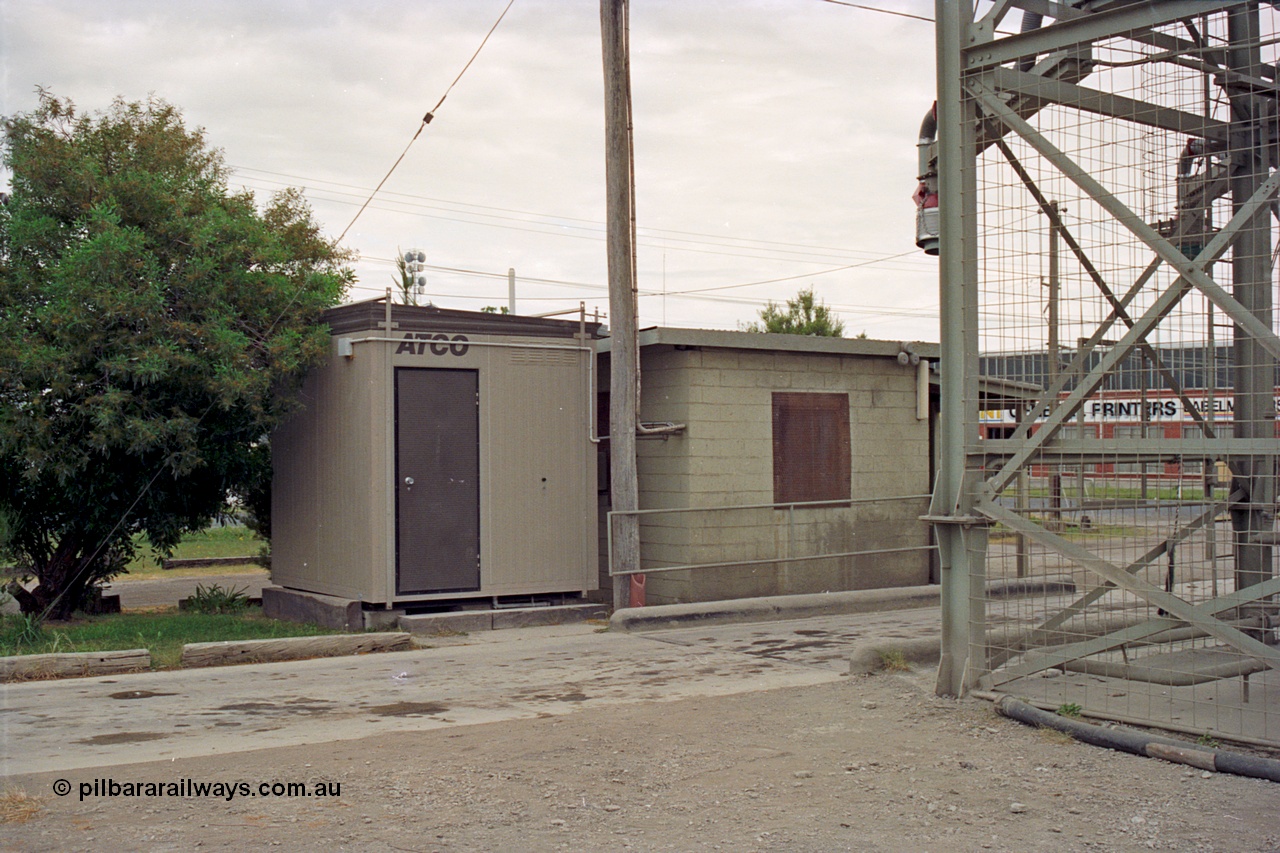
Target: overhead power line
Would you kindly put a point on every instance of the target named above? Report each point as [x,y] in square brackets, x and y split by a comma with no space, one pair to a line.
[594,286]
[558,219]
[789,277]
[577,228]
[894,12]
[866,8]
[426,120]
[695,294]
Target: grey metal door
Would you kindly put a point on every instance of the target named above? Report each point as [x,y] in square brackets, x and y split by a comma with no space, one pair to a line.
[437,480]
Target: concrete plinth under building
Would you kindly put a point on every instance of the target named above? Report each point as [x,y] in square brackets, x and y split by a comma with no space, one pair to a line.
[349,615]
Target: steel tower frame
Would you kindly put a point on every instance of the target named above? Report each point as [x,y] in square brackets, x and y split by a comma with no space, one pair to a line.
[987,93]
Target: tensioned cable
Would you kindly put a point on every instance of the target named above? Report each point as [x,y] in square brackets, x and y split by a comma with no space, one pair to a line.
[896,13]
[558,220]
[87,563]
[880,313]
[789,277]
[563,283]
[696,294]
[882,11]
[591,229]
[426,120]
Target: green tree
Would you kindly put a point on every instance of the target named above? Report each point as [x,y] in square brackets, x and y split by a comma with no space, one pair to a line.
[153,328]
[804,315]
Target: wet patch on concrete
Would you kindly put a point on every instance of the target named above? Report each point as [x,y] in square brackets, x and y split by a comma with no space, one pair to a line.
[808,644]
[782,649]
[122,737]
[250,707]
[543,696]
[408,709]
[301,706]
[137,694]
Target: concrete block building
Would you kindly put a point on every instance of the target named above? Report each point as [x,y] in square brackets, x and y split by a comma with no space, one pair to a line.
[772,425]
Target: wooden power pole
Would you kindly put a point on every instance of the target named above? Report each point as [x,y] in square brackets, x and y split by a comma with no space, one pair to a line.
[624,354]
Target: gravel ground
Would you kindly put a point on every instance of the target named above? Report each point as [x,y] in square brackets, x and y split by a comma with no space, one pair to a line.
[864,764]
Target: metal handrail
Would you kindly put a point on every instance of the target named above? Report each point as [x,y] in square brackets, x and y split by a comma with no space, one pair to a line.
[790,508]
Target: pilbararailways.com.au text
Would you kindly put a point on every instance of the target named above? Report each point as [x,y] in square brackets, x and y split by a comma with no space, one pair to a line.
[191,788]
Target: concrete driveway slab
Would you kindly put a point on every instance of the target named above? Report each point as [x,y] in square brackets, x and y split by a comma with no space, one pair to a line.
[505,675]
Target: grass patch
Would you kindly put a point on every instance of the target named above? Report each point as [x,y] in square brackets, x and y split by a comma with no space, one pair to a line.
[214,542]
[893,660]
[163,634]
[215,599]
[1054,736]
[1070,710]
[1192,490]
[1069,528]
[1131,490]
[17,806]
[1076,530]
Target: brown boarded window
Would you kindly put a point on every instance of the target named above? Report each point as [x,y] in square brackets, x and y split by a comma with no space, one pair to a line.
[810,447]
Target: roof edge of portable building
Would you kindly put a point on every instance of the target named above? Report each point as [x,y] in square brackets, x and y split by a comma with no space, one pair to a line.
[371,314]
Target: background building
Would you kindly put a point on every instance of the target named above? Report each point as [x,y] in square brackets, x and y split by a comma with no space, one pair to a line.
[771,423]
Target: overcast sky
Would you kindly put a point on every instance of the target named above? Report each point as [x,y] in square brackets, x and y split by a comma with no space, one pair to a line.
[775,139]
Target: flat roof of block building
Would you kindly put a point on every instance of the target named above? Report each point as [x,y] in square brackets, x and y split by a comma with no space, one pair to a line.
[719,339]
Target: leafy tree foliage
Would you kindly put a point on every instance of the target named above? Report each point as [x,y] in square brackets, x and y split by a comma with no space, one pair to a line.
[153,325]
[804,315]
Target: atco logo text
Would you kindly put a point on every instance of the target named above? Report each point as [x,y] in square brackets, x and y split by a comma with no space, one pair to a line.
[418,343]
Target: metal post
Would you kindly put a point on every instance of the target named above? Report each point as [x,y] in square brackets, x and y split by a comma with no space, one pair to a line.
[791,530]
[623,352]
[1023,557]
[1055,358]
[1145,420]
[1082,365]
[962,548]
[1254,410]
[1211,462]
[511,291]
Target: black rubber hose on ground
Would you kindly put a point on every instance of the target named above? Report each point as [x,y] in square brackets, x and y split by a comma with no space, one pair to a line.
[1140,743]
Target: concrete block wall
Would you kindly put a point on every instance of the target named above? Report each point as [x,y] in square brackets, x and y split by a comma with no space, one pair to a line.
[725,458]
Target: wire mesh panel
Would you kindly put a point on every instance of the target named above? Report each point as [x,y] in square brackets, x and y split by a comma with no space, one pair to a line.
[1117,244]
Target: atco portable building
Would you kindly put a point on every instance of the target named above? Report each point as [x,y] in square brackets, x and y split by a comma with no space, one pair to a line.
[439,455]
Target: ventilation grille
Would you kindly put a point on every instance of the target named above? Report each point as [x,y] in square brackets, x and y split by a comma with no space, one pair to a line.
[550,357]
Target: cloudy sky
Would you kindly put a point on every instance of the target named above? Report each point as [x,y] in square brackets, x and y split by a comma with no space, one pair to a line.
[775,139]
